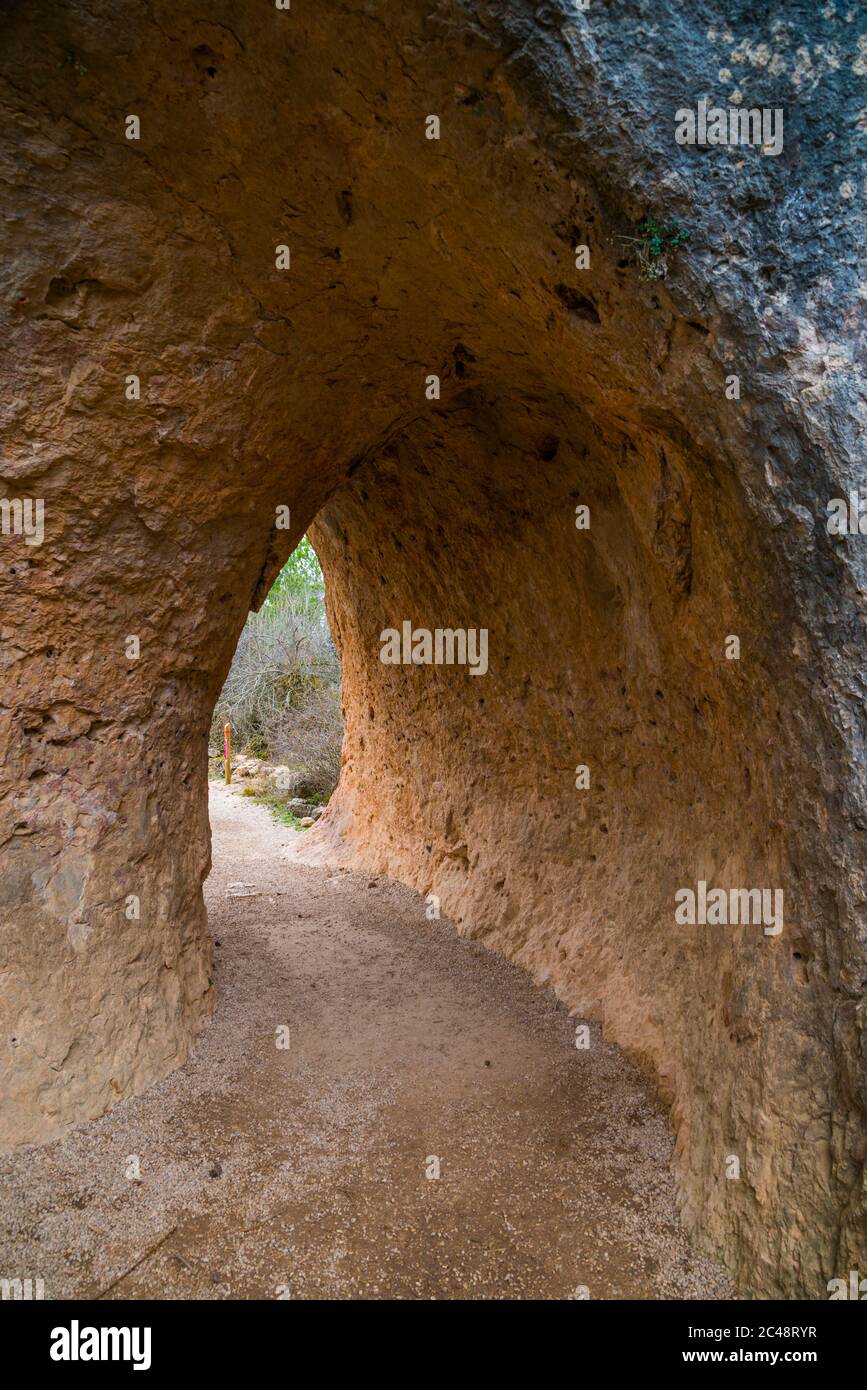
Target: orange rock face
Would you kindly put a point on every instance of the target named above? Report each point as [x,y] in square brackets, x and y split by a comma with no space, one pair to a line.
[282,294]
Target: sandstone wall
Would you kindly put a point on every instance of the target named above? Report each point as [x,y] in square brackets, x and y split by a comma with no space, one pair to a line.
[305,388]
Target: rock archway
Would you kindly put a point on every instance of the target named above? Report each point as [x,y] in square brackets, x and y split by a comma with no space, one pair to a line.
[170,389]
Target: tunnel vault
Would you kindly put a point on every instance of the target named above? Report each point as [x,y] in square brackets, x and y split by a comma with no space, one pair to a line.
[168,388]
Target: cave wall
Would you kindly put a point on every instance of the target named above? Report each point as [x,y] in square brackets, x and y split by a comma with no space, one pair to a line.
[605,650]
[263,388]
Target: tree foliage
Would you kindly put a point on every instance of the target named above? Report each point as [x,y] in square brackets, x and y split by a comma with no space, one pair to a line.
[301,576]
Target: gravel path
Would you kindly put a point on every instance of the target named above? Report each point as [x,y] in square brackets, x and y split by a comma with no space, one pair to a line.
[301,1172]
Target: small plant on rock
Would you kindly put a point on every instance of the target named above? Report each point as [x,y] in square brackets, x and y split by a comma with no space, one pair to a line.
[654,244]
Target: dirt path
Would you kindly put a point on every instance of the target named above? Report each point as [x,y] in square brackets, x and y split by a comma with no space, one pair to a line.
[302,1171]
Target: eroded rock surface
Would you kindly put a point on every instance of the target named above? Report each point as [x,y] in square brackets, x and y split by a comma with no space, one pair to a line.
[561,387]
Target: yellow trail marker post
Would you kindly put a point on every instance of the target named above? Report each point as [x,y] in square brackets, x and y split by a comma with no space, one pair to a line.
[227,750]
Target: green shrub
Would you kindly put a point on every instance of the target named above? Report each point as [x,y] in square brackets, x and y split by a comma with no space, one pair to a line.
[654,244]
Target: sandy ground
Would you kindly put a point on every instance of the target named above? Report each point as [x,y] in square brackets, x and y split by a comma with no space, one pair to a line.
[300,1172]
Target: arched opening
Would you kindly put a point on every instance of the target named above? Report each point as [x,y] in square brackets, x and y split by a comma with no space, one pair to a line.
[285,295]
[279,716]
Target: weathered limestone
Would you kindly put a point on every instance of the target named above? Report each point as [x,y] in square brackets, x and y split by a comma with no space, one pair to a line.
[560,387]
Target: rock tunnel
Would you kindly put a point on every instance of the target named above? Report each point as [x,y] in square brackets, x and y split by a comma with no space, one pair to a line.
[233,312]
